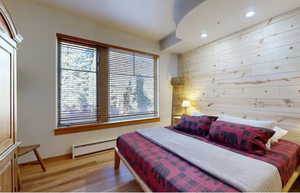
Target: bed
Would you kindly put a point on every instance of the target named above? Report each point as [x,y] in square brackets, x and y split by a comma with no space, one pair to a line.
[159,170]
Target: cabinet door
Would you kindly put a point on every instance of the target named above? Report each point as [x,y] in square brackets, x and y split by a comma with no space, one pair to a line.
[7,112]
[7,175]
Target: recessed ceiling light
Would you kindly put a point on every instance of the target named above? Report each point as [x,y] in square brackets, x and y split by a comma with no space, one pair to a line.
[204,35]
[250,14]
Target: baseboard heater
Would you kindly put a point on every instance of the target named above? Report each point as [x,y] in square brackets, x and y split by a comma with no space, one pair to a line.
[93,147]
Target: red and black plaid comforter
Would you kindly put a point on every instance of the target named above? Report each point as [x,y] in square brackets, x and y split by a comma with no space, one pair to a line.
[164,171]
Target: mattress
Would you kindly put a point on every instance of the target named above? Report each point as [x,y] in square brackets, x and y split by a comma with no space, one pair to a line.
[164,171]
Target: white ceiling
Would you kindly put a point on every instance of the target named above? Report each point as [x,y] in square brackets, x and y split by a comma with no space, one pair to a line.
[152,19]
[219,18]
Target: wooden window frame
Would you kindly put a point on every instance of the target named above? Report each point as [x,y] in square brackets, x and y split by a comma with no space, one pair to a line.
[103,93]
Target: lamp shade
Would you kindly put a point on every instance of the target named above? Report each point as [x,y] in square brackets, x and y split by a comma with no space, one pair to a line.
[186,103]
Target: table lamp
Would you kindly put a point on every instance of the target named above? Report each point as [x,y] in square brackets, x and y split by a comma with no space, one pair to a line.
[185,104]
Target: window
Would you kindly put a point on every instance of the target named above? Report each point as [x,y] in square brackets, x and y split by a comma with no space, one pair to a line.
[132,79]
[77,84]
[104,84]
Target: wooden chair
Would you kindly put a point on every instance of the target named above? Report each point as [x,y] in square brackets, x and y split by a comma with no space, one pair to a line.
[26,149]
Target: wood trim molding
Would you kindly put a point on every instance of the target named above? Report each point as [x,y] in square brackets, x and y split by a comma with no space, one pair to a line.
[91,42]
[103,78]
[12,28]
[92,127]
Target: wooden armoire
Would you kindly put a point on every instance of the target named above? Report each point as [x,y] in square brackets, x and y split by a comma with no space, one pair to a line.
[9,39]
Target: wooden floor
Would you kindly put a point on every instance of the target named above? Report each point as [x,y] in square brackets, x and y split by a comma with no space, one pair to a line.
[92,173]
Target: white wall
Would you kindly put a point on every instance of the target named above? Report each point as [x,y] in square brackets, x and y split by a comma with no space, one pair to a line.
[38,24]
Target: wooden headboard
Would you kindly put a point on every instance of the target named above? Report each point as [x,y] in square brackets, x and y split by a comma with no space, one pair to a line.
[253,74]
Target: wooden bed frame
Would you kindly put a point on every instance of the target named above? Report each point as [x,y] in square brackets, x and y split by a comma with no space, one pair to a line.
[119,157]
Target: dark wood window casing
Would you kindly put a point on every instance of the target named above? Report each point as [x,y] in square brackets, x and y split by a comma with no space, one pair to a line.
[120,86]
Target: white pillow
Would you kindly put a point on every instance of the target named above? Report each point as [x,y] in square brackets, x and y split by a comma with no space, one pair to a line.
[279,133]
[197,114]
[254,123]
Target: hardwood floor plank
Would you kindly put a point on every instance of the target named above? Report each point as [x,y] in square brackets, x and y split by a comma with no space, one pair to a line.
[91,173]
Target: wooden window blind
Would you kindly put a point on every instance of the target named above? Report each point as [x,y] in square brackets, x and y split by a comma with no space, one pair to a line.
[132,92]
[103,84]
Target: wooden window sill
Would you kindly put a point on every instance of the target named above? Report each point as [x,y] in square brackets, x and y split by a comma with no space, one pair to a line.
[92,127]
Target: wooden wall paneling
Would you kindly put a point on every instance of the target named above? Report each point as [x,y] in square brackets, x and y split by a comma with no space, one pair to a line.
[254,73]
[177,97]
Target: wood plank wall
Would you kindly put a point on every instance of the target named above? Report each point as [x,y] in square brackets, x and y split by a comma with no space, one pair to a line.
[253,74]
[177,97]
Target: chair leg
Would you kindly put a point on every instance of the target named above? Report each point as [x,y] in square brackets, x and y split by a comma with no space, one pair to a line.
[40,160]
[117,160]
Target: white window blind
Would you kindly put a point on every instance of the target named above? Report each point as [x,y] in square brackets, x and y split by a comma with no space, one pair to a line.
[77,84]
[132,85]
